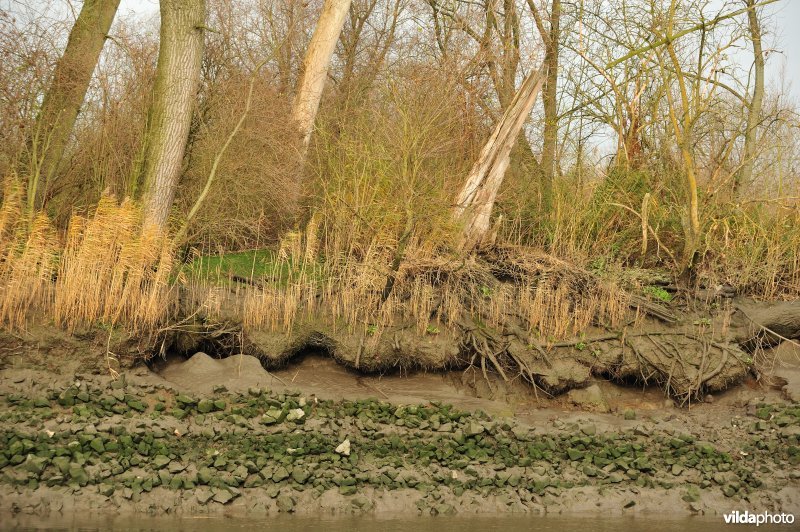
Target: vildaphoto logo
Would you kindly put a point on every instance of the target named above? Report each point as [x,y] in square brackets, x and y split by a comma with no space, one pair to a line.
[763,518]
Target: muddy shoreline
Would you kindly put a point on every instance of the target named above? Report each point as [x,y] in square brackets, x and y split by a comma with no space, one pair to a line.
[250,447]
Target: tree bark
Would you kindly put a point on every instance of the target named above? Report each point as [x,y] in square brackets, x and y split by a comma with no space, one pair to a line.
[682,127]
[66,93]
[754,112]
[176,85]
[476,199]
[316,64]
[550,100]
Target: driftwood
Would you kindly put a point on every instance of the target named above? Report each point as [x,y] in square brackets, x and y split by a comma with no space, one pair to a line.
[767,325]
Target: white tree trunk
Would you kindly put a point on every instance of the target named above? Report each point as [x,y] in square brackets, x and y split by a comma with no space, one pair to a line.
[476,200]
[177,78]
[315,66]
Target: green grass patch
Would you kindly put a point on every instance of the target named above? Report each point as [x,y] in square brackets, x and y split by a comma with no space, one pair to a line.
[658,293]
[258,265]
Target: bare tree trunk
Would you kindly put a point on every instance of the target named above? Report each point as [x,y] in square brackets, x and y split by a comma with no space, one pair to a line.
[476,200]
[285,51]
[754,113]
[316,63]
[682,127]
[66,93]
[550,100]
[176,84]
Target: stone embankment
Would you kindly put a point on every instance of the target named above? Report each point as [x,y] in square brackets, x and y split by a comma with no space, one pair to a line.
[88,442]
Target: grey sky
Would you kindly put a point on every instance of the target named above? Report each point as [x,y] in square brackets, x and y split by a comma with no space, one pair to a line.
[786,65]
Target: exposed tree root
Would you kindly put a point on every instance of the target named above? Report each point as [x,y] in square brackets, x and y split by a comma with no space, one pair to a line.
[511,312]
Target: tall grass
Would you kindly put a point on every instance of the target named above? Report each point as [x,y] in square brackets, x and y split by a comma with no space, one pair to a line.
[755,247]
[113,270]
[551,299]
[105,269]
[752,246]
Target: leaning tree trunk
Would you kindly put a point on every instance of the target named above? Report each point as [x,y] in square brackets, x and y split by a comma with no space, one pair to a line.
[64,97]
[177,78]
[315,66]
[476,200]
[754,111]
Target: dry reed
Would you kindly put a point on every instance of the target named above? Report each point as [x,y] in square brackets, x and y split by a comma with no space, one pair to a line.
[113,270]
[106,269]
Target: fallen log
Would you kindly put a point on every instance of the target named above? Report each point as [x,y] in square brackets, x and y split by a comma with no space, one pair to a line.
[762,325]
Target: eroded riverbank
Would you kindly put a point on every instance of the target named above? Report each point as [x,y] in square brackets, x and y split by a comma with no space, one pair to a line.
[144,444]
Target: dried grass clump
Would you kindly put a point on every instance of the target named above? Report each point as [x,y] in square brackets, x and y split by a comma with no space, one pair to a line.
[112,270]
[510,286]
[755,248]
[106,269]
[555,298]
[10,211]
[28,259]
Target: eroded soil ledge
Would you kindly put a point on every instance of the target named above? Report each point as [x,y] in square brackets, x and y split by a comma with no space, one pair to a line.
[512,313]
[703,347]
